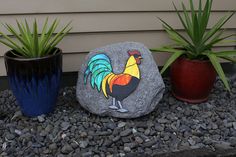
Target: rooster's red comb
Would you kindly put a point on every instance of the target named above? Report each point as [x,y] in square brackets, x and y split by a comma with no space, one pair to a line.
[133,52]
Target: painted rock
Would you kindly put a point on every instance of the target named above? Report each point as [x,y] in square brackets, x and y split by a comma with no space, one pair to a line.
[120,80]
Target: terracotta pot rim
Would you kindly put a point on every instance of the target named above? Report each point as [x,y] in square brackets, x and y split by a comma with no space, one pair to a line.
[8,53]
[194,60]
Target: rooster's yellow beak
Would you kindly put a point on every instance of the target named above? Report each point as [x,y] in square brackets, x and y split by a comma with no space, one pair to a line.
[140,57]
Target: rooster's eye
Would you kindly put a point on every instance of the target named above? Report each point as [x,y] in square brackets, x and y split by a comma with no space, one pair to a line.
[136,56]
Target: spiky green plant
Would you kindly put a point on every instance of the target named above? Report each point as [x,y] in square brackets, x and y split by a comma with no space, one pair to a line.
[29,42]
[199,40]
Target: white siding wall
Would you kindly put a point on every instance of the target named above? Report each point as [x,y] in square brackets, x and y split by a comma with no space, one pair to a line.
[100,22]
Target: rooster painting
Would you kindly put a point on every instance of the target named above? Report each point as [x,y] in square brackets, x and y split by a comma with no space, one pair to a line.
[118,86]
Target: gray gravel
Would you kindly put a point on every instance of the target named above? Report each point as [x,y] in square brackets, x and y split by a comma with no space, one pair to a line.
[72,131]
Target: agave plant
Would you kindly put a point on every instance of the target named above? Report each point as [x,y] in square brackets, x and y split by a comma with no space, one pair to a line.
[30,43]
[199,40]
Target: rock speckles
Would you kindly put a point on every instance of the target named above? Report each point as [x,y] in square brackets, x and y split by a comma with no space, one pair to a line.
[148,89]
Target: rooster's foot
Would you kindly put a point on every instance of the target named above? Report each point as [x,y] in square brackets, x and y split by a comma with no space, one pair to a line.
[113,107]
[122,110]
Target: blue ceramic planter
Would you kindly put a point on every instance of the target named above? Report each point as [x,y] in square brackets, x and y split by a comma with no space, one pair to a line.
[35,82]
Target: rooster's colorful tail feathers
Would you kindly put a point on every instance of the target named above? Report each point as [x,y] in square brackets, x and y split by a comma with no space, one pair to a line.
[99,66]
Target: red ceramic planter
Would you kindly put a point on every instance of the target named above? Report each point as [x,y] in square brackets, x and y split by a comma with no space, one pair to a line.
[192,80]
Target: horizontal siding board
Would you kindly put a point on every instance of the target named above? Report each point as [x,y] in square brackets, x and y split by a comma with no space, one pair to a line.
[100,22]
[85,42]
[113,22]
[2,69]
[72,62]
[58,6]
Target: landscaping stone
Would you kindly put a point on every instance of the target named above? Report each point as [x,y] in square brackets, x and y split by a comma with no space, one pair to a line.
[121,124]
[66,149]
[41,118]
[125,132]
[72,131]
[65,125]
[133,99]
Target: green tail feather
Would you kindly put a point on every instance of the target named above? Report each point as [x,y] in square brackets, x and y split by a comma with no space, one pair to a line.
[99,66]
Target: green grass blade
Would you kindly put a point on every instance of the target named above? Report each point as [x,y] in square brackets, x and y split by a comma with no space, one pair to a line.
[219,70]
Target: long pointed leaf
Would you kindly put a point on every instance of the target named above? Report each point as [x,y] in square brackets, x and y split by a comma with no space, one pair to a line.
[229,59]
[185,25]
[18,36]
[13,47]
[43,33]
[188,21]
[11,41]
[217,27]
[36,42]
[58,39]
[205,17]
[173,57]
[218,69]
[48,36]
[29,42]
[172,29]
[215,41]
[225,53]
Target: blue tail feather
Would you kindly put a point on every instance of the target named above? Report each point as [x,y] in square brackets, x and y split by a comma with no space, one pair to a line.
[99,66]
[100,62]
[99,57]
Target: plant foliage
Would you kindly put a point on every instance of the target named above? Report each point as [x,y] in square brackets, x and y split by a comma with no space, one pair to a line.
[29,42]
[199,40]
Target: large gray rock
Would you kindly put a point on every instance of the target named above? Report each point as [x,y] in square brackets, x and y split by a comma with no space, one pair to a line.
[138,96]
